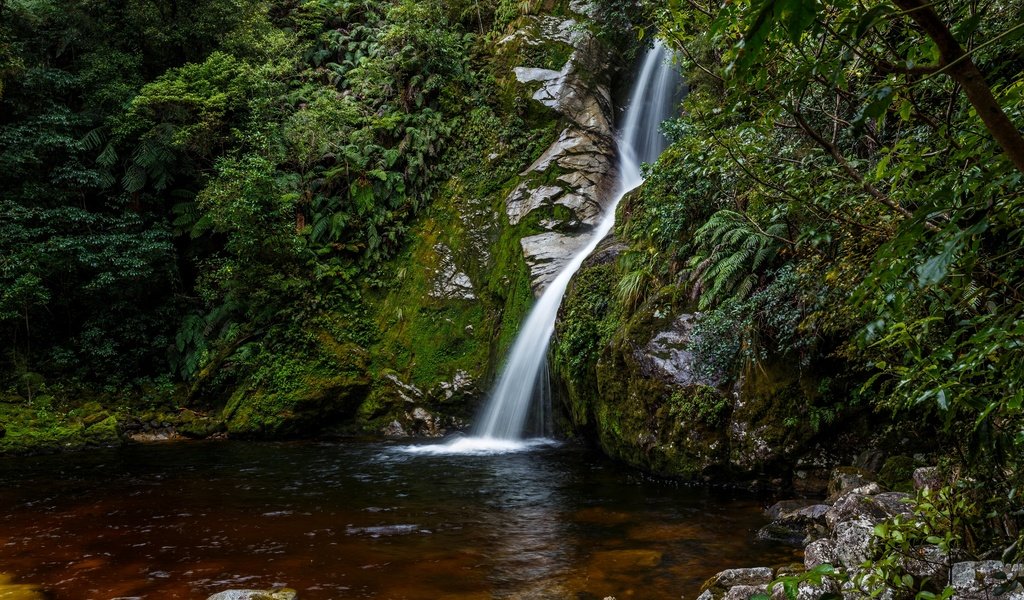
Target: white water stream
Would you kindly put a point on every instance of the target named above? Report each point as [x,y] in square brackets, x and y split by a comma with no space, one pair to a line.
[500,426]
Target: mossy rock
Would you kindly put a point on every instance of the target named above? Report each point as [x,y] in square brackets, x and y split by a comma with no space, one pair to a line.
[102,433]
[317,403]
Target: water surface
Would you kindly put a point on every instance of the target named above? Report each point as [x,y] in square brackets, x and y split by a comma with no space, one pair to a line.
[363,520]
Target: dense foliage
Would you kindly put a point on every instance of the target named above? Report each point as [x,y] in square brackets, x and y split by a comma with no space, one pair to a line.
[844,184]
[187,184]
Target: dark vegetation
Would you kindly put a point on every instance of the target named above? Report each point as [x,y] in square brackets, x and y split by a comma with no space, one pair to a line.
[843,192]
[198,198]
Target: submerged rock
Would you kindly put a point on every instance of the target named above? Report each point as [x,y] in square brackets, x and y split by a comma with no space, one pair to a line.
[19,591]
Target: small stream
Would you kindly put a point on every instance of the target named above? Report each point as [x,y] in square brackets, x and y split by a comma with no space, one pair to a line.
[363,520]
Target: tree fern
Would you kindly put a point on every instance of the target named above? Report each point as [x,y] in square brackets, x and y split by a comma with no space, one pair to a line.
[732,253]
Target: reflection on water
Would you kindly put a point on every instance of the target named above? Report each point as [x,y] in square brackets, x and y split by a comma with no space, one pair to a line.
[363,520]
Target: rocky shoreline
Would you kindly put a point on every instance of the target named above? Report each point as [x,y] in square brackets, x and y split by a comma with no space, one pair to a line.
[843,540]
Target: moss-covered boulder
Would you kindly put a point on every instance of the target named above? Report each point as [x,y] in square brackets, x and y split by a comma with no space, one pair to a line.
[300,395]
[629,379]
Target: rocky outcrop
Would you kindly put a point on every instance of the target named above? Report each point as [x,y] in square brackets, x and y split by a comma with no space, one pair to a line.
[839,548]
[568,185]
[647,402]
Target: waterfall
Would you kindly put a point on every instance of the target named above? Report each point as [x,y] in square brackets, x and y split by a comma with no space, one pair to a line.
[500,426]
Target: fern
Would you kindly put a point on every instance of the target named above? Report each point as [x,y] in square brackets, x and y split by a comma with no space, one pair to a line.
[732,254]
[638,279]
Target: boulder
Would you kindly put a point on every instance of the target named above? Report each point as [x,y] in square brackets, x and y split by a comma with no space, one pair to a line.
[928,562]
[872,508]
[844,479]
[853,542]
[795,526]
[987,580]
[927,477]
[737,584]
[819,552]
[734,577]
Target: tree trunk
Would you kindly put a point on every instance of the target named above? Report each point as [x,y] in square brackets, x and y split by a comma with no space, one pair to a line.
[962,69]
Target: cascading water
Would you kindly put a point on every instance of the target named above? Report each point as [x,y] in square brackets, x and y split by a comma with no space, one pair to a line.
[501,424]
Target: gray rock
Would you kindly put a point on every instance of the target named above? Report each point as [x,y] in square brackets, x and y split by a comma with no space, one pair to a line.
[734,577]
[782,507]
[706,595]
[281,594]
[745,592]
[667,355]
[461,386]
[853,542]
[985,580]
[794,526]
[584,152]
[394,429]
[819,552]
[449,282]
[928,562]
[872,508]
[927,477]
[845,479]
[424,423]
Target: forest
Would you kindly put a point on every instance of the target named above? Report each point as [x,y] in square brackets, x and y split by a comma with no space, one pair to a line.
[279,219]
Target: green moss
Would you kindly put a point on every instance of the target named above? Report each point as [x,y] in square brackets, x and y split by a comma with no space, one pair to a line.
[299,394]
[701,404]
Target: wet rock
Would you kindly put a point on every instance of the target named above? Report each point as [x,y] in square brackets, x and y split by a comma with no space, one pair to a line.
[583,154]
[394,429]
[733,577]
[280,594]
[667,355]
[745,592]
[796,525]
[425,424]
[155,435]
[783,507]
[987,580]
[460,389]
[406,392]
[737,584]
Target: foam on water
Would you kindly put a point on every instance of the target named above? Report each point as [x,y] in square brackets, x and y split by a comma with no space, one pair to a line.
[479,446]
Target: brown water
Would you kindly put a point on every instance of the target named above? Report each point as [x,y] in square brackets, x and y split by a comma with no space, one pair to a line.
[363,520]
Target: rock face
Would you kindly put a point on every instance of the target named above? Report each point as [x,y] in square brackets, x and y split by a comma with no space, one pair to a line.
[568,185]
[519,205]
[644,399]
